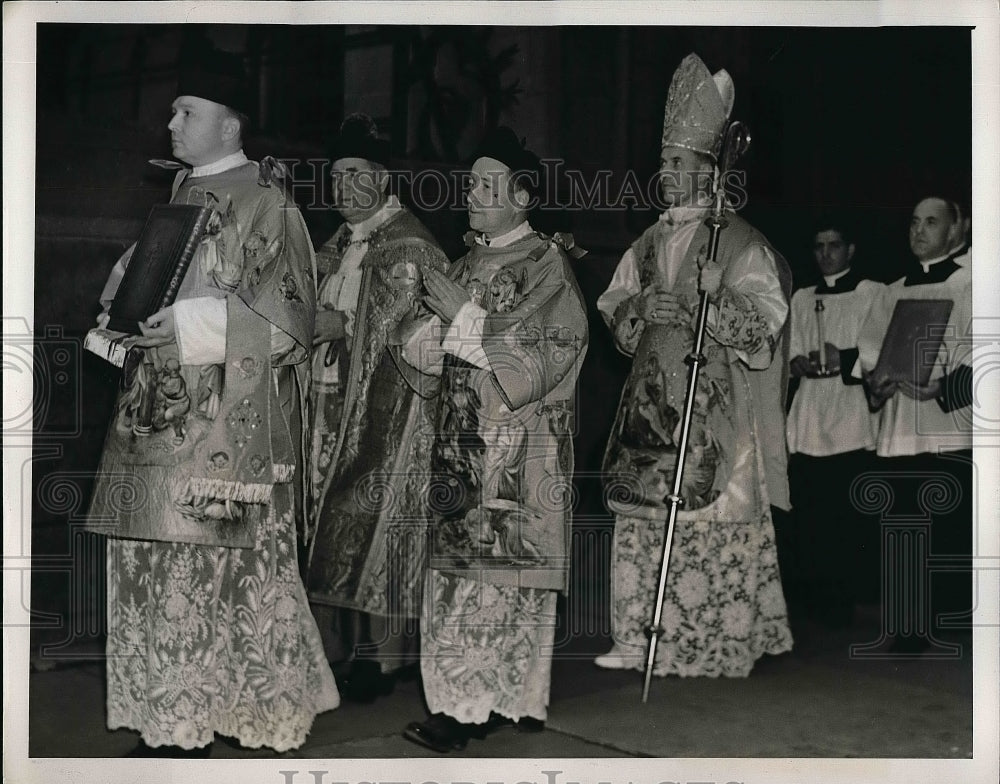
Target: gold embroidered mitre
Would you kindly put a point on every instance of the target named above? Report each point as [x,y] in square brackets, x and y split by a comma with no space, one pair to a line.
[698,106]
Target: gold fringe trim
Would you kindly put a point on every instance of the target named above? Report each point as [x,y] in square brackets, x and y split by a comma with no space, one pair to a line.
[226,490]
[283,472]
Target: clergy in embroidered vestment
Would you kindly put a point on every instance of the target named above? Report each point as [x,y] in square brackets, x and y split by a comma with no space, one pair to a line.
[926,425]
[209,628]
[373,423]
[831,433]
[509,340]
[723,603]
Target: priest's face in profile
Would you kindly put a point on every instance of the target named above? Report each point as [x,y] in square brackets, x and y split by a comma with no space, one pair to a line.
[495,203]
[685,177]
[933,229]
[200,130]
[359,188]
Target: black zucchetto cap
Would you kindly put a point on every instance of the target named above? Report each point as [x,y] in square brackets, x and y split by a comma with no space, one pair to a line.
[217,76]
[358,138]
[501,144]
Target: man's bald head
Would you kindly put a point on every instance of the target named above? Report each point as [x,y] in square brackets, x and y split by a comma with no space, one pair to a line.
[934,228]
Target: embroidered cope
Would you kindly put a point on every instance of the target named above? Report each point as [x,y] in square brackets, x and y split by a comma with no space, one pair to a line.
[374,425]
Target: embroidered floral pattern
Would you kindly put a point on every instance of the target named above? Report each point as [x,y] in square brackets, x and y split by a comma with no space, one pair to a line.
[647,265]
[486,649]
[385,307]
[244,419]
[739,324]
[723,605]
[370,533]
[644,439]
[248,368]
[222,235]
[205,640]
[254,246]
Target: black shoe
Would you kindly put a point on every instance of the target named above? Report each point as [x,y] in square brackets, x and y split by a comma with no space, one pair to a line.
[408,673]
[527,725]
[141,750]
[492,724]
[170,752]
[439,733]
[530,726]
[365,682]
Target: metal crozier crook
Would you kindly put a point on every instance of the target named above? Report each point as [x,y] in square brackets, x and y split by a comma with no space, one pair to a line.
[736,141]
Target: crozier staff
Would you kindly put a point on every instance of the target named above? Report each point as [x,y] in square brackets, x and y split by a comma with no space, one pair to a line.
[722,606]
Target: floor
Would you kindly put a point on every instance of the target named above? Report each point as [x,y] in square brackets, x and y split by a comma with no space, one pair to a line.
[815,702]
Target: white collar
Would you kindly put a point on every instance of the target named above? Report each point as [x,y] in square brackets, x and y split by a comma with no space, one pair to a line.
[676,216]
[509,238]
[360,230]
[831,279]
[926,265]
[223,164]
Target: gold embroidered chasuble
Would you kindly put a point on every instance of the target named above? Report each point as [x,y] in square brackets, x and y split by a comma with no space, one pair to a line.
[202,446]
[500,499]
[373,431]
[205,638]
[723,603]
[503,458]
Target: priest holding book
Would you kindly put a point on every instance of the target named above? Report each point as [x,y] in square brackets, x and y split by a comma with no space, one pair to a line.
[201,478]
[926,424]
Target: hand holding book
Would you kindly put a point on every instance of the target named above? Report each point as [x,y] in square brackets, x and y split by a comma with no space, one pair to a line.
[156,268]
[158,330]
[928,391]
[878,389]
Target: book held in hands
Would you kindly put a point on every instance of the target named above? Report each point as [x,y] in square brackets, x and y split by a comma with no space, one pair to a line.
[153,276]
[913,341]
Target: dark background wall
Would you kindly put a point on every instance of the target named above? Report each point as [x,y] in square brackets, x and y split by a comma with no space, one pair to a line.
[866,121]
